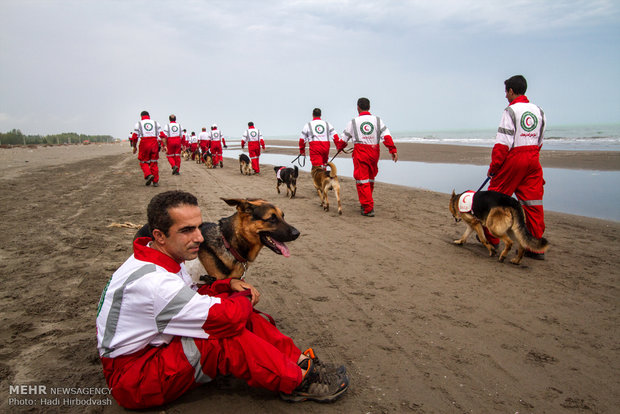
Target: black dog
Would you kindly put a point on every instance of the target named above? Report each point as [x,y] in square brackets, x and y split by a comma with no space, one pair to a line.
[287,176]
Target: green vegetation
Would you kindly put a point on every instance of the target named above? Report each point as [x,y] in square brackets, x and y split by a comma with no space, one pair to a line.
[16,137]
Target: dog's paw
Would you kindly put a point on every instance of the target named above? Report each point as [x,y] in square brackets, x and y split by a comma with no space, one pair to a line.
[501,258]
[515,261]
[459,242]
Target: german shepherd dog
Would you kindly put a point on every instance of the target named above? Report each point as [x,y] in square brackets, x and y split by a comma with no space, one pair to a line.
[186,154]
[207,158]
[288,176]
[244,164]
[503,216]
[231,244]
[325,180]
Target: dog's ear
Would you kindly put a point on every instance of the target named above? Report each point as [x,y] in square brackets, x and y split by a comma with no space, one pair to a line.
[243,205]
[453,193]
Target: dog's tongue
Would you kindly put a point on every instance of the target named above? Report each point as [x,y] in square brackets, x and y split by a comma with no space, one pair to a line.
[282,247]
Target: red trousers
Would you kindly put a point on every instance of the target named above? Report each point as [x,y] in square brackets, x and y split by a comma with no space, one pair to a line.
[254,151]
[193,148]
[216,152]
[148,154]
[522,175]
[261,355]
[319,153]
[365,169]
[174,152]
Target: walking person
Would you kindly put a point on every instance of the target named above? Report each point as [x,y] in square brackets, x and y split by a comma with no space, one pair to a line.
[216,141]
[203,143]
[255,141]
[193,145]
[317,134]
[367,132]
[147,131]
[173,137]
[515,165]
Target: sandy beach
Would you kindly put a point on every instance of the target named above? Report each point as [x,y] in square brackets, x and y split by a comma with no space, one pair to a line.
[422,325]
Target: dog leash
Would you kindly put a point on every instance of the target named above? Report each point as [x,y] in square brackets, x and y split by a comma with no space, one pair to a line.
[299,162]
[483,184]
[339,151]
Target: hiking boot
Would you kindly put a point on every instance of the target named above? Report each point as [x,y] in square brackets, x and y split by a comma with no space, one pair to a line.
[325,368]
[318,386]
[175,170]
[534,255]
[371,213]
[155,184]
[221,164]
[149,179]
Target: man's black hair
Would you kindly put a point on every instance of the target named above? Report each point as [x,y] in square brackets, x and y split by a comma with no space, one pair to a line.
[250,123]
[363,104]
[316,112]
[157,210]
[517,83]
[144,113]
[172,118]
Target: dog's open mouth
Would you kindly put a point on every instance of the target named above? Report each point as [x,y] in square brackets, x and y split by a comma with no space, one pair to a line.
[273,244]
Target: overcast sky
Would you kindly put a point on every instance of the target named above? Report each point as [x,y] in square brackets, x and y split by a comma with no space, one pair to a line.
[91,66]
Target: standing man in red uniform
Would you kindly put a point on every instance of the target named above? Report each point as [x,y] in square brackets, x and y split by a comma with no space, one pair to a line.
[160,335]
[147,131]
[173,137]
[317,134]
[515,166]
[193,145]
[216,141]
[255,141]
[367,131]
[203,142]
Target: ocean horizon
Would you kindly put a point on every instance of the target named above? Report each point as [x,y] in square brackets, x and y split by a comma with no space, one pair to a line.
[603,137]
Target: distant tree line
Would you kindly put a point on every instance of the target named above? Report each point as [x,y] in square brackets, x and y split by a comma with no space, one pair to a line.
[16,137]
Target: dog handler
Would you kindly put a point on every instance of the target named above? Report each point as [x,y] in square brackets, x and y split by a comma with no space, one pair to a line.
[216,140]
[515,165]
[317,134]
[367,131]
[255,140]
[203,142]
[147,131]
[173,136]
[159,335]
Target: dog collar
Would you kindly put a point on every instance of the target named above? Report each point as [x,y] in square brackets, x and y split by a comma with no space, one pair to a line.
[233,251]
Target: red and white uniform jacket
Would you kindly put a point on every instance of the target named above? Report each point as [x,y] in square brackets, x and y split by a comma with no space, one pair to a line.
[367,131]
[173,130]
[317,134]
[151,298]
[252,136]
[203,139]
[193,139]
[146,128]
[215,135]
[522,125]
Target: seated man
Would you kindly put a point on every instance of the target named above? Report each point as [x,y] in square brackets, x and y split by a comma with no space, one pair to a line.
[159,335]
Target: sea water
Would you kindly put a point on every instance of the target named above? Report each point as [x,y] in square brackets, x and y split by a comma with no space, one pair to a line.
[582,192]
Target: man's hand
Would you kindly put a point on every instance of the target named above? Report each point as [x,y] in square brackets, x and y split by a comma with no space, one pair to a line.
[394,157]
[135,150]
[239,285]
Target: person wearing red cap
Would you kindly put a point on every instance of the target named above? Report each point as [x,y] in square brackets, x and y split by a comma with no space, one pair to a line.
[515,166]
[255,141]
[367,132]
[216,140]
[172,142]
[147,131]
[317,134]
[160,335]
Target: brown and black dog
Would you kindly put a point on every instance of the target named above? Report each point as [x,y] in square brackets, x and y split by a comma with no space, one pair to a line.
[231,244]
[288,176]
[502,215]
[325,180]
[244,165]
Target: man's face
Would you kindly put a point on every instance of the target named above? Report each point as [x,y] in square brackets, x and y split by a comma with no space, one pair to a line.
[184,236]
